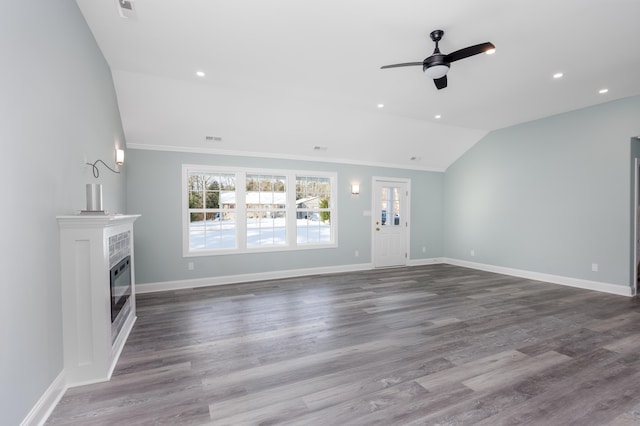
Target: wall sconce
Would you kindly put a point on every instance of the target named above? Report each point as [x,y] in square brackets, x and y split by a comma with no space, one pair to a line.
[355,188]
[119,157]
[119,162]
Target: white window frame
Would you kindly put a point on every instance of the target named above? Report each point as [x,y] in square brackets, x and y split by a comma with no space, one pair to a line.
[241,211]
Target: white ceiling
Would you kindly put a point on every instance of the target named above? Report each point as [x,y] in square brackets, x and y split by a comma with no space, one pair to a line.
[284,76]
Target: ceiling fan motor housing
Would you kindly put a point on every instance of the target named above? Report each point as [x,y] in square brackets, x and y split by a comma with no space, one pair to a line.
[435,66]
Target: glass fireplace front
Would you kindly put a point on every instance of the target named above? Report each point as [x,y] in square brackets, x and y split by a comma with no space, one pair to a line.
[120,286]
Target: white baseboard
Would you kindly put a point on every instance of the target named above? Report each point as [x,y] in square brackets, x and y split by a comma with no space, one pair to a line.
[47,402]
[422,262]
[244,278]
[554,279]
[292,273]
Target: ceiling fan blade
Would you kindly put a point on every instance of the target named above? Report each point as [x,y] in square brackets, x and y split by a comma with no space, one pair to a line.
[469,51]
[441,82]
[406,64]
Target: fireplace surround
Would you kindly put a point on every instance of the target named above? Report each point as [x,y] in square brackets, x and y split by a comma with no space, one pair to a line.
[91,246]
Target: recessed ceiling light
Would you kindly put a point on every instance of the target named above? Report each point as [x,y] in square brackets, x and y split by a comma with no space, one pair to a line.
[437,116]
[380,105]
[602,91]
[200,73]
[558,75]
[491,51]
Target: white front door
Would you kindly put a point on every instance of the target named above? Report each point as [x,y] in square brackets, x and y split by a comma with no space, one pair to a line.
[390,222]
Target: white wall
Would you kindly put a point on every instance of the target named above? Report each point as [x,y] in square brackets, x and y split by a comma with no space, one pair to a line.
[57,106]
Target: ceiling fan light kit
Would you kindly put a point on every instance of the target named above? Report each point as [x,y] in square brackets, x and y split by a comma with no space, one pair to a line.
[437,65]
[436,71]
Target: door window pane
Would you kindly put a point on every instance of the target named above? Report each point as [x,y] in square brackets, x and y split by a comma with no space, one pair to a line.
[390,206]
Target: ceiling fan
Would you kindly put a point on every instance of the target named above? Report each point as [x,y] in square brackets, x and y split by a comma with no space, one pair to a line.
[437,65]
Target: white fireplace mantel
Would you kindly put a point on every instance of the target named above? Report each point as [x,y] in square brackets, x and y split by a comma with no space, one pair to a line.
[91,348]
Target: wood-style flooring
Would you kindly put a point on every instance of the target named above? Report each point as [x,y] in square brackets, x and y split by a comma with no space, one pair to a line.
[429,345]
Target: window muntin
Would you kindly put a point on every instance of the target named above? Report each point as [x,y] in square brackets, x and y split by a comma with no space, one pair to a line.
[233,211]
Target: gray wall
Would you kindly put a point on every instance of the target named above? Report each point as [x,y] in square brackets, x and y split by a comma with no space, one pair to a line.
[57,105]
[549,196]
[154,190]
[635,153]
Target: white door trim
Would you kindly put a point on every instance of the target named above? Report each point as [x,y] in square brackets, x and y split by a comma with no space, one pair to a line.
[636,189]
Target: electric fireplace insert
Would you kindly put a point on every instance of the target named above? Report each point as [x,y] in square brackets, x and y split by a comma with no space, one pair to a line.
[120,286]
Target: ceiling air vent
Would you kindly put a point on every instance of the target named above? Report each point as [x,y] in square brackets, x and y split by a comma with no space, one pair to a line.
[125,8]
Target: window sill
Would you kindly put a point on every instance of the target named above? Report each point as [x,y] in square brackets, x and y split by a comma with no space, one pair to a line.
[227,252]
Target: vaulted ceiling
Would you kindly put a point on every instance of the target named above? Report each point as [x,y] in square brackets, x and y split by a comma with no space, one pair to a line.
[301,79]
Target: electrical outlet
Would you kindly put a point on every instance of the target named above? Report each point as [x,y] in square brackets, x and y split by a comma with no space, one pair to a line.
[594,267]
[424,249]
[357,253]
[472,252]
[190,266]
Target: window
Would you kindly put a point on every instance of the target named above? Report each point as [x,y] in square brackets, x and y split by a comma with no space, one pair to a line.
[212,211]
[230,211]
[266,200]
[313,198]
